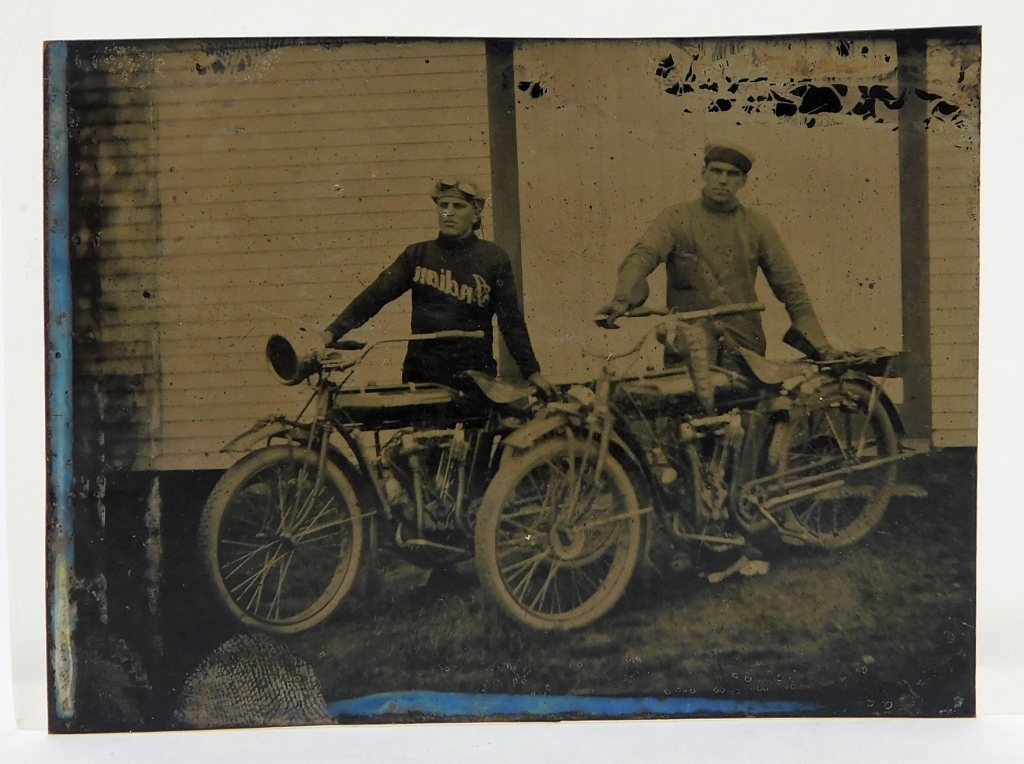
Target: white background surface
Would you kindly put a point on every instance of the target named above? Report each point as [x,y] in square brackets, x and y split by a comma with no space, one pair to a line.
[998,735]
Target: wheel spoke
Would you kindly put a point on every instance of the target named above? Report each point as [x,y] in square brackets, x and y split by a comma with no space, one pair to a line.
[293,529]
[257,594]
[544,587]
[275,605]
[303,537]
[240,562]
[532,564]
[243,586]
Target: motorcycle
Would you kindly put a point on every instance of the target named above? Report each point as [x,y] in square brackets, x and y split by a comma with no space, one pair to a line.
[285,530]
[712,455]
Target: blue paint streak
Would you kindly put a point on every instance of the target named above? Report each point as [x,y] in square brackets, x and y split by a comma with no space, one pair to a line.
[58,366]
[443,704]
[58,288]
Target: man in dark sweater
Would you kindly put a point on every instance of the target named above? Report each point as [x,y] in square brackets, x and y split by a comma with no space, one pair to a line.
[712,248]
[458,282]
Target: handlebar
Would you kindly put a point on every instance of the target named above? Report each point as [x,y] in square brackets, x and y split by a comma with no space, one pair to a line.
[672,317]
[608,322]
[448,334]
[291,369]
[329,362]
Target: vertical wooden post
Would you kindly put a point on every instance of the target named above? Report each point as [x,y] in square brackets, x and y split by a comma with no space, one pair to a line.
[914,249]
[501,110]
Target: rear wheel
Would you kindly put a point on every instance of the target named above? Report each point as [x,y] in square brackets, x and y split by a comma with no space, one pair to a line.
[557,545]
[282,544]
[822,446]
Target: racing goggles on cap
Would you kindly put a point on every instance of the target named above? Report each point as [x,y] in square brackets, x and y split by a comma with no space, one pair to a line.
[460,189]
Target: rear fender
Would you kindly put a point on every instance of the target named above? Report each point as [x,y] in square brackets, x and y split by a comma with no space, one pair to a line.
[869,383]
[817,382]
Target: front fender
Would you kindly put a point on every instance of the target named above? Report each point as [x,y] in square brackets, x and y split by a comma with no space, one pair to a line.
[537,428]
[553,419]
[275,427]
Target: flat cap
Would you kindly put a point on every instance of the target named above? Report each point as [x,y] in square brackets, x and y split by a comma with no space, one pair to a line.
[731,153]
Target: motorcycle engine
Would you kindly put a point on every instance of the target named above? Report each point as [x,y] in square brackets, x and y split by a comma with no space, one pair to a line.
[427,468]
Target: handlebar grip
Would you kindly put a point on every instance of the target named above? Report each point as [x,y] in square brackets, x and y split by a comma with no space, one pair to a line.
[348,345]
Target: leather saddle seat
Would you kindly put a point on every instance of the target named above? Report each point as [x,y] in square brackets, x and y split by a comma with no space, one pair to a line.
[774,373]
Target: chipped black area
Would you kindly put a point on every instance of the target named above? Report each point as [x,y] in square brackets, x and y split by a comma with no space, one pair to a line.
[803,96]
[783,109]
[816,100]
[870,97]
[678,89]
[535,89]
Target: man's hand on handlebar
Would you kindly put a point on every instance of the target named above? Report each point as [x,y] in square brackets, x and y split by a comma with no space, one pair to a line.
[829,354]
[544,388]
[610,313]
[337,343]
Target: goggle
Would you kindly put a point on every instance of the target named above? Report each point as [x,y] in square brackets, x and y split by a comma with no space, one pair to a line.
[468,191]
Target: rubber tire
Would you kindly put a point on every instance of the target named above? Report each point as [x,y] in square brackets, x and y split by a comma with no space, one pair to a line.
[879,481]
[211,528]
[628,543]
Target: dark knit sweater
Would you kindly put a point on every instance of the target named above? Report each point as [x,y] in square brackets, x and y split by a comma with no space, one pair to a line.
[456,284]
[711,253]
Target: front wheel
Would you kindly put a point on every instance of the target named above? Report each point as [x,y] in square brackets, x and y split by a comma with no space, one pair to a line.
[843,442]
[557,545]
[281,540]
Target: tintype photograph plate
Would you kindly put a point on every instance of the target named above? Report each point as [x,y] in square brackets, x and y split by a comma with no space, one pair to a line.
[405,380]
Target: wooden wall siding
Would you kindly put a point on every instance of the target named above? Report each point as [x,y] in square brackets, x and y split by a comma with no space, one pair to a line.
[116,327]
[286,179]
[954,182]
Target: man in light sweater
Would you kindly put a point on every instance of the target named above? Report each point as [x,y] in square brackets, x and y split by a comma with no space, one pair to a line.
[712,248]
